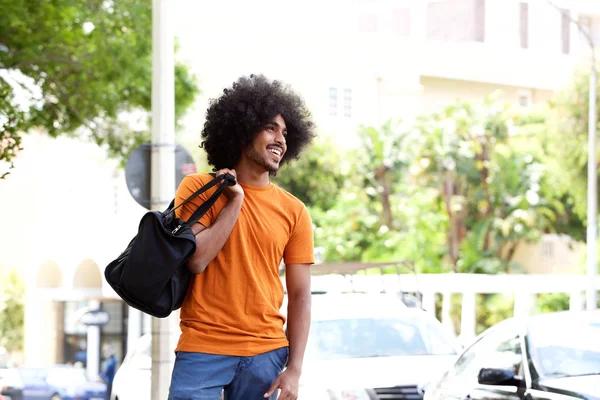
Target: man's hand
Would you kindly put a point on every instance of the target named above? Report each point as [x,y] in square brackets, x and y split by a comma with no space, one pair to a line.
[288,382]
[231,191]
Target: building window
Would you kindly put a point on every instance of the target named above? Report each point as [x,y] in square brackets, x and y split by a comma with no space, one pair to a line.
[524,99]
[401,21]
[547,250]
[524,25]
[566,31]
[348,103]
[340,102]
[333,101]
[479,20]
[368,23]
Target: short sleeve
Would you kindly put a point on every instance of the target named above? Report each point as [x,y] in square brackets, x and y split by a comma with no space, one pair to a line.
[300,247]
[187,187]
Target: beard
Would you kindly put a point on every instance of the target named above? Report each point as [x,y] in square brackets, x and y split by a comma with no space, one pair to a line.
[262,160]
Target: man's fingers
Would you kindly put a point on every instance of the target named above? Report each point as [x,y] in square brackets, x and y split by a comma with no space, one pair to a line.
[226,171]
[272,389]
[287,394]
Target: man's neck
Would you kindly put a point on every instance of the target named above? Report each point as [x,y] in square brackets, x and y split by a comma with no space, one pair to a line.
[250,174]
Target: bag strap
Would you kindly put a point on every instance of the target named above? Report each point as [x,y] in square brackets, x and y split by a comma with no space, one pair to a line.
[211,200]
[228,179]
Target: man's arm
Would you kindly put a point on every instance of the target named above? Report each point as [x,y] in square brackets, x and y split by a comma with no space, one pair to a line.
[209,241]
[298,288]
[297,278]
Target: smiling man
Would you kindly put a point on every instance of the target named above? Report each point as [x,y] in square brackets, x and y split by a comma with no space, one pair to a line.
[232,329]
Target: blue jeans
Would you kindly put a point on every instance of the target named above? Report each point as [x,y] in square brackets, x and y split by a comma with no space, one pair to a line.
[201,376]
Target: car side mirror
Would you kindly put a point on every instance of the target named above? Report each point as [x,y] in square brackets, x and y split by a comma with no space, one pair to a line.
[498,377]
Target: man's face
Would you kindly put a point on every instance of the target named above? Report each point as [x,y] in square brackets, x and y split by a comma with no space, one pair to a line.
[269,146]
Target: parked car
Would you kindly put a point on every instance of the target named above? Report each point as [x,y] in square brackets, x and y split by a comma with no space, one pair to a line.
[544,357]
[60,382]
[372,346]
[11,387]
[133,380]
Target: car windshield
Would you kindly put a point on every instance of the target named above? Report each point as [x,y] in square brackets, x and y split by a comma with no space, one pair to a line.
[376,337]
[572,349]
[64,377]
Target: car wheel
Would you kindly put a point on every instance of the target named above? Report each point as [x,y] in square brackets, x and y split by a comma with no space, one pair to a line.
[55,397]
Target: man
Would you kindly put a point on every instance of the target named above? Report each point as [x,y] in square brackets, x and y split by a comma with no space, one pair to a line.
[232,330]
[110,368]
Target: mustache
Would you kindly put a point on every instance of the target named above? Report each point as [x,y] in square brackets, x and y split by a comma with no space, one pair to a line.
[276,145]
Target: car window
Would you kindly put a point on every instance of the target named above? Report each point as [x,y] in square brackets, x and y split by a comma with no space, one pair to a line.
[571,350]
[441,342]
[375,337]
[500,348]
[32,375]
[67,376]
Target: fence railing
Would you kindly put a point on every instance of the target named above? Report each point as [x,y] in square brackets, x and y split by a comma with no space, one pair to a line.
[524,288]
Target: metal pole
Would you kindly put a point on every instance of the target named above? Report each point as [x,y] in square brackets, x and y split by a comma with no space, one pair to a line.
[163,170]
[592,267]
[592,172]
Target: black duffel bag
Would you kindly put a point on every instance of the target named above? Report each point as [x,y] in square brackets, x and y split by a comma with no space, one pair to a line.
[151,274]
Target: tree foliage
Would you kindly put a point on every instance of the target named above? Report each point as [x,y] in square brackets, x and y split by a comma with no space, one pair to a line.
[456,190]
[75,67]
[316,178]
[12,311]
[566,140]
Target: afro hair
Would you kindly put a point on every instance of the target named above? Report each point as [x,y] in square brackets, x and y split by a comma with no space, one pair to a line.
[233,119]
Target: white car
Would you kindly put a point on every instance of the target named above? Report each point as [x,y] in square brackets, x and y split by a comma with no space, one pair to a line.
[133,380]
[371,346]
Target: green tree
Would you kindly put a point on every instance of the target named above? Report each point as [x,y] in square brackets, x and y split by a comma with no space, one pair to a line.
[566,140]
[317,177]
[74,67]
[12,311]
[380,214]
[380,165]
[491,184]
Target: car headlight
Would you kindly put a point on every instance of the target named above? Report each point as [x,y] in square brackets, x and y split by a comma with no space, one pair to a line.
[351,394]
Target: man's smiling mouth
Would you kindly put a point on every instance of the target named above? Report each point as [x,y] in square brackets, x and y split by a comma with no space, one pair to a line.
[275,150]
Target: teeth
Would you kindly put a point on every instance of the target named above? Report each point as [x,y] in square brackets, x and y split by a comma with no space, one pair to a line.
[276,152]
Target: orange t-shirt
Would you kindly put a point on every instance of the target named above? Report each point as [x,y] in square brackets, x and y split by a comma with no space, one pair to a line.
[232,307]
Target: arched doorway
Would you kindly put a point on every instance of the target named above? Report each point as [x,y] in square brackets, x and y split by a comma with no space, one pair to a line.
[87,276]
[49,276]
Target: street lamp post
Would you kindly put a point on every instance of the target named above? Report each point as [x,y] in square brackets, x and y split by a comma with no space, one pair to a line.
[592,171]
[592,191]
[162,169]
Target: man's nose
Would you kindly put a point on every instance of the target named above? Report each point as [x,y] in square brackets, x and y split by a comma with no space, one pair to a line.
[280,138]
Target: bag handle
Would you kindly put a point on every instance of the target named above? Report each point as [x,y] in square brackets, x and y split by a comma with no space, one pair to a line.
[212,199]
[229,181]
